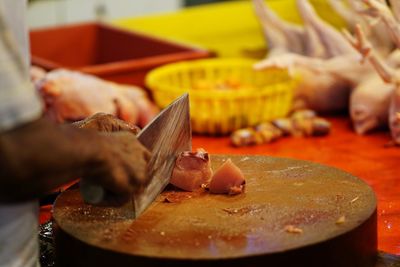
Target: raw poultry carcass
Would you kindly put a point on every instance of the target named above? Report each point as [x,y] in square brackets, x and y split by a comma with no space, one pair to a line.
[346,11]
[387,73]
[370,99]
[380,10]
[285,37]
[71,96]
[395,4]
[369,103]
[331,39]
[376,31]
[326,81]
[315,39]
[36,73]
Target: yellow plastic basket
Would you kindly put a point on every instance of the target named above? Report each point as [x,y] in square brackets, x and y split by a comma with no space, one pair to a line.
[258,96]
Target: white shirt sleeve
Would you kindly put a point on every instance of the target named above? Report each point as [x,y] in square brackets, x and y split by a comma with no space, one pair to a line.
[19,102]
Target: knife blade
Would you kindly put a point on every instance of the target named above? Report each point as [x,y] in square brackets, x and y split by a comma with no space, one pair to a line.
[167,135]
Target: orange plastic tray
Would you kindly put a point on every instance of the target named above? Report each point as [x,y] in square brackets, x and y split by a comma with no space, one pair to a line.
[106,51]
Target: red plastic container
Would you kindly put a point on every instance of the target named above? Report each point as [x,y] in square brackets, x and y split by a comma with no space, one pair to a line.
[106,51]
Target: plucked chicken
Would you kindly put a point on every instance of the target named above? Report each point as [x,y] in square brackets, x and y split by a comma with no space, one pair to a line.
[326,82]
[387,73]
[72,96]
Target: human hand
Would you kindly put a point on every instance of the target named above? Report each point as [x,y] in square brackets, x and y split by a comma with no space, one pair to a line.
[120,167]
[58,154]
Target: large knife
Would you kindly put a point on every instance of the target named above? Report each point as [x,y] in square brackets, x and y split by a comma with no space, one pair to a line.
[165,136]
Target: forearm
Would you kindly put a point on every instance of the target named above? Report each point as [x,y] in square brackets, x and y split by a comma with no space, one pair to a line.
[40,156]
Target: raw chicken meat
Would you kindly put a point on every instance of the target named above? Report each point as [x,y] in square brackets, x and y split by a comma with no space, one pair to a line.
[285,37]
[347,13]
[387,73]
[370,100]
[325,83]
[192,170]
[369,103]
[227,179]
[331,39]
[381,11]
[376,31]
[326,80]
[394,114]
[281,36]
[37,73]
[147,109]
[395,4]
[72,96]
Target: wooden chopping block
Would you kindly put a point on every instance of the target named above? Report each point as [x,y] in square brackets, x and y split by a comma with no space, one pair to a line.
[293,213]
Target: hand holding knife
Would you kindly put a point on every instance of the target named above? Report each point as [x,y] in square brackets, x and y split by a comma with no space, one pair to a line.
[166,136]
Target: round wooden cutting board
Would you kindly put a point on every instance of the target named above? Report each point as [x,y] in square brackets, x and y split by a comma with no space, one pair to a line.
[293,213]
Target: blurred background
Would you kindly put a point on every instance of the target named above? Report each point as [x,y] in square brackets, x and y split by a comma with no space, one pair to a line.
[55,12]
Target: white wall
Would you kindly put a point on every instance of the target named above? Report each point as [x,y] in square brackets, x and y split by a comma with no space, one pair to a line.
[54,12]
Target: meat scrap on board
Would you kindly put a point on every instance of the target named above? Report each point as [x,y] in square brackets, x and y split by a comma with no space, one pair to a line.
[193,172]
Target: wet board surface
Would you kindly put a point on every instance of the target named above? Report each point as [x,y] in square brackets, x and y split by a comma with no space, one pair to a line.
[335,212]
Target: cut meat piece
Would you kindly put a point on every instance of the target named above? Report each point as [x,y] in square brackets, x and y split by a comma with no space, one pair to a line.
[227,179]
[192,170]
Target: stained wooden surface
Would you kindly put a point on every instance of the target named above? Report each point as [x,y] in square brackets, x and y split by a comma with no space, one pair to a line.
[366,157]
[203,228]
[363,156]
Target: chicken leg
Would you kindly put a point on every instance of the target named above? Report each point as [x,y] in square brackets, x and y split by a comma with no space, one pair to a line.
[380,10]
[346,13]
[376,32]
[281,36]
[286,37]
[395,4]
[331,39]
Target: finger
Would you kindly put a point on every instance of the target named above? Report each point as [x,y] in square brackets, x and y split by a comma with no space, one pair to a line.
[117,181]
[119,125]
[138,171]
[146,155]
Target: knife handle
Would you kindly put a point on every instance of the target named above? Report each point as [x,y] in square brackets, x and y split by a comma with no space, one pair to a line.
[91,193]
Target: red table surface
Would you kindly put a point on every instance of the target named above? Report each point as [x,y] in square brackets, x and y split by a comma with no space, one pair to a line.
[366,157]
